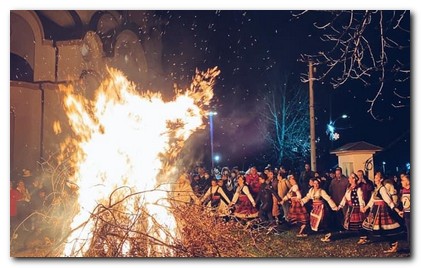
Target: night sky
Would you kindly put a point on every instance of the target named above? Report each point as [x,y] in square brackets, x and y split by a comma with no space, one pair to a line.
[252,48]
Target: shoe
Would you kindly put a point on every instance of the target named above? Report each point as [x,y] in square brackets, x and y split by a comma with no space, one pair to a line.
[326,238]
[393,248]
[302,227]
[302,235]
[362,241]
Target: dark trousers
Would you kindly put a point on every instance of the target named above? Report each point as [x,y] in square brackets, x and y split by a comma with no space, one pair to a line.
[407,219]
[336,219]
[266,216]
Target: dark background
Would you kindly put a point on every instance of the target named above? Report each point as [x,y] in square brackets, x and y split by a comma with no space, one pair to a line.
[251,48]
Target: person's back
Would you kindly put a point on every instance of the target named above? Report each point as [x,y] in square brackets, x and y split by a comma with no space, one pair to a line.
[391,190]
[264,200]
[366,185]
[265,197]
[304,179]
[15,196]
[196,185]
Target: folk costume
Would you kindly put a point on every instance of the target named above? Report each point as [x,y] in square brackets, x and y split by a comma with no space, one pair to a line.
[354,198]
[319,210]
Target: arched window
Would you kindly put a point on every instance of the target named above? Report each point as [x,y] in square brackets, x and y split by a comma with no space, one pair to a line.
[20,70]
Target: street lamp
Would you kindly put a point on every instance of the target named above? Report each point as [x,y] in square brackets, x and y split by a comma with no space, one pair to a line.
[211,114]
[333,136]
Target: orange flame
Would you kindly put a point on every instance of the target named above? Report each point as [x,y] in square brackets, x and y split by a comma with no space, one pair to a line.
[57,127]
[126,140]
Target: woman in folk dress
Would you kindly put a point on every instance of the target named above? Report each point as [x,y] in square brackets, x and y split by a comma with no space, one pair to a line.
[215,197]
[354,198]
[297,213]
[245,206]
[380,221]
[319,210]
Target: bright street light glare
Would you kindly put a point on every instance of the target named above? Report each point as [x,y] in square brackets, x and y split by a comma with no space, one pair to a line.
[330,128]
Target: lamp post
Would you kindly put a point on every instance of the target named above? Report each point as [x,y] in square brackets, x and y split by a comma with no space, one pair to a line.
[211,114]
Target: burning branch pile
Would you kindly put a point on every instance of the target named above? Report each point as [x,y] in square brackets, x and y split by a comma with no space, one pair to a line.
[199,234]
[122,153]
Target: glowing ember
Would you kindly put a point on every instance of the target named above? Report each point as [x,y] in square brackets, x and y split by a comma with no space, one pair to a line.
[123,153]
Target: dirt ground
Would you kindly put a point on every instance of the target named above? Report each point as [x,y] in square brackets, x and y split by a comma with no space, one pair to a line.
[280,242]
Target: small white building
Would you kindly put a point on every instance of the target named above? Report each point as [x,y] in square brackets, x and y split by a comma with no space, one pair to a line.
[355,156]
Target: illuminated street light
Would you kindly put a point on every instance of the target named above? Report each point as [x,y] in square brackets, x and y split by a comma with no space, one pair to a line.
[211,114]
[331,129]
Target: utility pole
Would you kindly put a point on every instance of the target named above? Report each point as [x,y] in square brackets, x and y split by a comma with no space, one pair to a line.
[312,126]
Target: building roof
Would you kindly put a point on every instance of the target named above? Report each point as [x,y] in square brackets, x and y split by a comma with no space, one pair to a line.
[357,146]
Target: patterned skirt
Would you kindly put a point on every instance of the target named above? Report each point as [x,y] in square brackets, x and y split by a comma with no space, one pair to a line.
[353,219]
[380,221]
[297,213]
[317,215]
[244,208]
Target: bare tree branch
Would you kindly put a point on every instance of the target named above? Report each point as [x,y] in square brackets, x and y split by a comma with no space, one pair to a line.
[370,46]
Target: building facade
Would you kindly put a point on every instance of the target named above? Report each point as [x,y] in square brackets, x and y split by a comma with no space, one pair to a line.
[53,47]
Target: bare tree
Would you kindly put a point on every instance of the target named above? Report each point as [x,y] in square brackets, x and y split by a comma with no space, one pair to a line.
[370,46]
[285,120]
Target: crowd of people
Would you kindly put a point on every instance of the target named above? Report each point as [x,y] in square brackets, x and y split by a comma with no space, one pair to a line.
[27,195]
[330,203]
